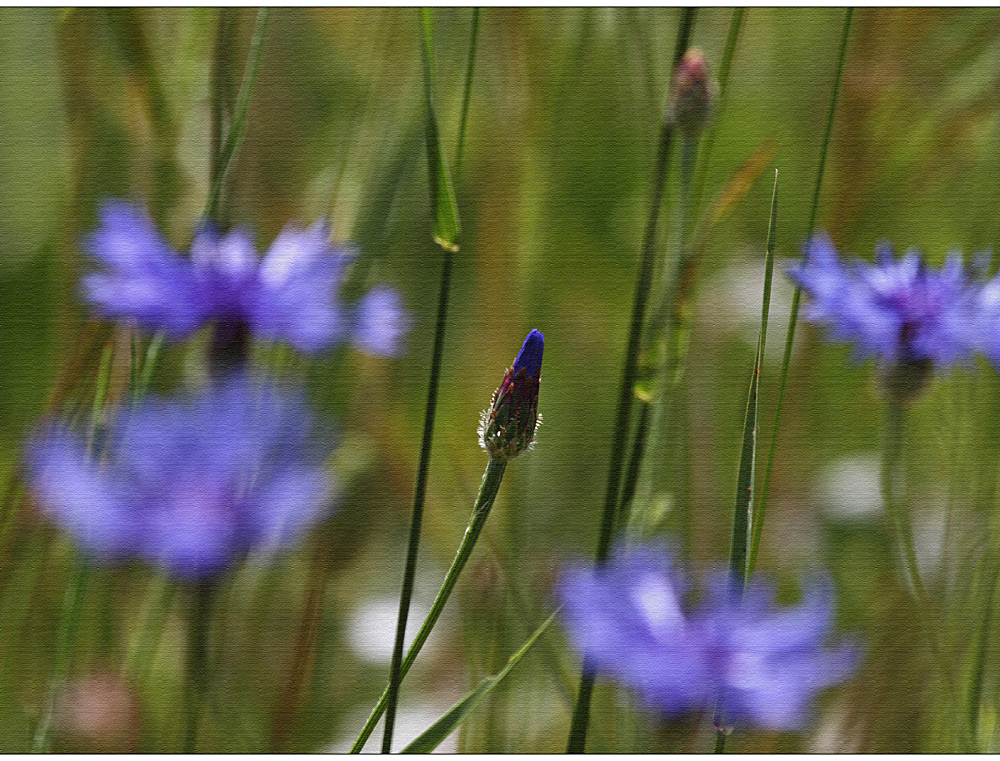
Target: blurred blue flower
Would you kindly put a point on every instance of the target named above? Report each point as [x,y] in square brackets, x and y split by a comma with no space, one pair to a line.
[188,486]
[897,309]
[289,294]
[763,664]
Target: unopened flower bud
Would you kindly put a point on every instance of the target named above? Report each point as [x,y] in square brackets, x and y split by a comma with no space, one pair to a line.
[692,94]
[508,426]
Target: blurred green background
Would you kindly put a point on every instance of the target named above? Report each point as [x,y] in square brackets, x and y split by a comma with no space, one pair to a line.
[565,112]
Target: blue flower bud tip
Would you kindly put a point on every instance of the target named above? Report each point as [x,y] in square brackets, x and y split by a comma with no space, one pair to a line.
[530,356]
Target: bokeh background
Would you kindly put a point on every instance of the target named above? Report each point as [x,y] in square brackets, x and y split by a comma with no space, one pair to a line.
[554,192]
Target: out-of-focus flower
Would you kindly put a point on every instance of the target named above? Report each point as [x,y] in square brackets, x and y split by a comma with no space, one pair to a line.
[288,295]
[189,486]
[908,316]
[763,664]
[692,94]
[771,662]
[508,426]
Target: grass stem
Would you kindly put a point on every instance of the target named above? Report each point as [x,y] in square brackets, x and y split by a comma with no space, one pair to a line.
[581,713]
[797,295]
[423,467]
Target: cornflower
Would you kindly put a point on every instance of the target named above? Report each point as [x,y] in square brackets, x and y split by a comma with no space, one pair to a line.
[763,664]
[909,317]
[288,295]
[190,486]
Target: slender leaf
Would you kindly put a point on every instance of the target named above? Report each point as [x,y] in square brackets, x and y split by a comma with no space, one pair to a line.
[743,516]
[443,203]
[459,712]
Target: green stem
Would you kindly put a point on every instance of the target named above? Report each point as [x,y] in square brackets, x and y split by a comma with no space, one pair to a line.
[409,573]
[720,741]
[470,67]
[73,604]
[197,681]
[480,512]
[230,145]
[895,509]
[797,296]
[581,713]
[154,619]
[663,330]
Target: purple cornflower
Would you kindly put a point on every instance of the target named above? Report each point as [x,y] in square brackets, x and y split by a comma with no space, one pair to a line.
[188,486]
[898,310]
[763,664]
[289,294]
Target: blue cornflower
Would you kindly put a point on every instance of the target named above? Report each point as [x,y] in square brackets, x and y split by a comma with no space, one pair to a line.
[763,664]
[287,295]
[188,486]
[897,309]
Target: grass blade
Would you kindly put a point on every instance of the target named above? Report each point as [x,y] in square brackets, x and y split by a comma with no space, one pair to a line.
[444,207]
[793,318]
[237,128]
[743,516]
[444,726]
[413,546]
[743,510]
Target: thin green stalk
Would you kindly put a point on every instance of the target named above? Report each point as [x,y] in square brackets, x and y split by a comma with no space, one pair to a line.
[743,509]
[237,127]
[896,509]
[725,64]
[197,679]
[899,525]
[409,574]
[154,619]
[470,68]
[720,742]
[73,604]
[581,713]
[480,512]
[149,364]
[423,467]
[796,297]
[662,340]
[640,437]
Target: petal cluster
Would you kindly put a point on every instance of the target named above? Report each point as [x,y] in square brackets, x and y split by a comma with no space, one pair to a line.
[896,309]
[288,295]
[189,486]
[763,664]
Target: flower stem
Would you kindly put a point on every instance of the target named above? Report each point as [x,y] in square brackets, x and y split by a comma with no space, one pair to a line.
[197,680]
[484,502]
[581,713]
[154,618]
[896,510]
[64,645]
